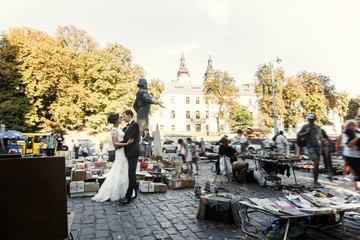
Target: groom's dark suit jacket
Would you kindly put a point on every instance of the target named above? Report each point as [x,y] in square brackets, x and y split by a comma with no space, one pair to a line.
[132,150]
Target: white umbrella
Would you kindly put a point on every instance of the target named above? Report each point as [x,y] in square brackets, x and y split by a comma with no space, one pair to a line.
[157,142]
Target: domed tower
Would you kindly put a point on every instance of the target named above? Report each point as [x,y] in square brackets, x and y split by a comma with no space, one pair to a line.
[209,67]
[183,74]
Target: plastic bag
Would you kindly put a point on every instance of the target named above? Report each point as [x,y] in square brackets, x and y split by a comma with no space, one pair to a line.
[225,165]
[260,178]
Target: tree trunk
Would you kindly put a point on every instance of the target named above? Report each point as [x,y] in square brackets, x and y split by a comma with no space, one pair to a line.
[218,118]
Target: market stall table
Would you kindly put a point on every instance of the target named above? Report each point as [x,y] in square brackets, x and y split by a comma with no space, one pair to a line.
[273,165]
[240,210]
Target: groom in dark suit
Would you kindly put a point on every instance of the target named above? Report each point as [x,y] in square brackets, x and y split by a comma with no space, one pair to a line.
[132,152]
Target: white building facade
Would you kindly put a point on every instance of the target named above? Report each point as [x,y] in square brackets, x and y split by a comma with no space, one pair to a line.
[186,111]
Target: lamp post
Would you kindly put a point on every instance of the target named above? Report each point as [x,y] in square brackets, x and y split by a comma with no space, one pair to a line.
[271,64]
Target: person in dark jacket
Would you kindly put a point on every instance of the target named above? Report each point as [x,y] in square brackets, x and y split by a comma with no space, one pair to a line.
[239,168]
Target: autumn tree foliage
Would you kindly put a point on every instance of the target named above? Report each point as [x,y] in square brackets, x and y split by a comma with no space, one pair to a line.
[219,90]
[64,81]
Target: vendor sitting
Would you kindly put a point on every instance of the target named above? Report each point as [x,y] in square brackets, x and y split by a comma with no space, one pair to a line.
[239,168]
[101,152]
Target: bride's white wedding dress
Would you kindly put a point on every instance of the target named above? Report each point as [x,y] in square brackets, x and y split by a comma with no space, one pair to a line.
[117,181]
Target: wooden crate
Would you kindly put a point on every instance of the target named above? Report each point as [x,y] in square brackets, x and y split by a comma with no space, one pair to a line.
[188,184]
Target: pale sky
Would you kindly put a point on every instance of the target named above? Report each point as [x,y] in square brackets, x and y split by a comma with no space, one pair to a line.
[320,36]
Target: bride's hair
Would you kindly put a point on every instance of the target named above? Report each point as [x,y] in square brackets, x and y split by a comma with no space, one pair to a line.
[113,117]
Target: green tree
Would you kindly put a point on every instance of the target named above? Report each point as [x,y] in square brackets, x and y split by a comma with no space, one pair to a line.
[291,95]
[35,63]
[354,108]
[342,105]
[241,118]
[156,87]
[69,82]
[116,79]
[329,91]
[219,89]
[14,104]
[314,100]
[263,89]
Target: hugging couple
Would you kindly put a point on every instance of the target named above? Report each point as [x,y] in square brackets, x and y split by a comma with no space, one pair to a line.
[120,183]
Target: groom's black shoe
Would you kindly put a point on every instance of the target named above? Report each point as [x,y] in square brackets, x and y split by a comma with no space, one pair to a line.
[125,200]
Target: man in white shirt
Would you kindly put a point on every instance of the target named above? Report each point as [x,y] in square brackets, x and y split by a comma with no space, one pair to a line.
[281,143]
[101,152]
[267,144]
[76,147]
[242,140]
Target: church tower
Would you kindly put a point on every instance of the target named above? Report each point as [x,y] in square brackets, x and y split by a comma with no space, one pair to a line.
[209,67]
[183,74]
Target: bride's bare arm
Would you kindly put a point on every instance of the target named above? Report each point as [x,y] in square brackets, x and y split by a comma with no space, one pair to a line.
[118,144]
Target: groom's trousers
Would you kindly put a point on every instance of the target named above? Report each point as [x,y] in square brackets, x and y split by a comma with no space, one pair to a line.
[132,176]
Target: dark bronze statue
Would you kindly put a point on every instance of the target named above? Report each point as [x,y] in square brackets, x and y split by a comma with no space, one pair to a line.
[142,105]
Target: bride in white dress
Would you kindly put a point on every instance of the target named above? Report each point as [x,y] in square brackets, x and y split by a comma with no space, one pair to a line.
[117,181]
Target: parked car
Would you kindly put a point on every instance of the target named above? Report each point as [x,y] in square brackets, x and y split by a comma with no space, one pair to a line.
[251,147]
[333,143]
[89,144]
[255,144]
[209,148]
[169,146]
[212,147]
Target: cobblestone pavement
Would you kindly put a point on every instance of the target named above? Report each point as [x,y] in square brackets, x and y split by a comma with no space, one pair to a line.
[172,215]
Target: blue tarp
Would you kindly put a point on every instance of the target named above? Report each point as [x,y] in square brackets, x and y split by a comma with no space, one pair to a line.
[12,134]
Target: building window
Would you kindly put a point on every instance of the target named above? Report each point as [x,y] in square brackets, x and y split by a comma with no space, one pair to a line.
[198,127]
[188,114]
[221,128]
[172,127]
[197,114]
[207,114]
[172,114]
[197,100]
[188,128]
[187,100]
[161,114]
[161,127]
[172,99]
[207,128]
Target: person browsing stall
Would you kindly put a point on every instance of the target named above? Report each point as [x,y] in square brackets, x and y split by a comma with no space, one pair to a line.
[239,168]
[281,143]
[194,155]
[312,131]
[351,142]
[101,152]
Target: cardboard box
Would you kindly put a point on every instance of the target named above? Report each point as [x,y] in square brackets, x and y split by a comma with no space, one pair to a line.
[99,164]
[91,187]
[140,176]
[151,187]
[79,175]
[149,178]
[177,184]
[144,186]
[160,187]
[188,183]
[77,186]
[168,165]
[65,154]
